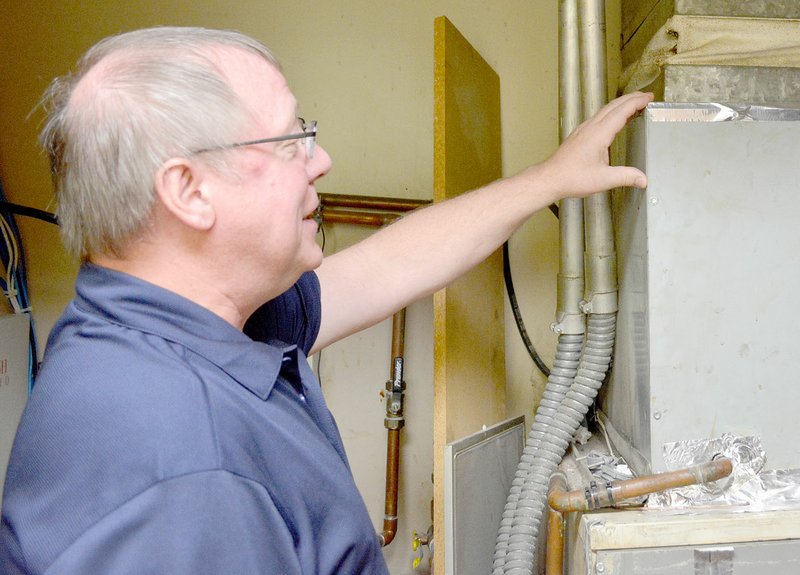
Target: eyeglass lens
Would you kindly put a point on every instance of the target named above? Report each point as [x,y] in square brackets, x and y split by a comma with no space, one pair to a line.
[311,141]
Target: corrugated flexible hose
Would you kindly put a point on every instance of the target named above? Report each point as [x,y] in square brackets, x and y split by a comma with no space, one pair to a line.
[565,367]
[515,549]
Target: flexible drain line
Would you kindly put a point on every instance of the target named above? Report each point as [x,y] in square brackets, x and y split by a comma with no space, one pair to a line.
[565,367]
[515,551]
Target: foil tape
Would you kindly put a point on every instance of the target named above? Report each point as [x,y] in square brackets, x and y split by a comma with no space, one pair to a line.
[749,485]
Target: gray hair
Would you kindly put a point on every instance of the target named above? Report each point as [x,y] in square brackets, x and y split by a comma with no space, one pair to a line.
[154,94]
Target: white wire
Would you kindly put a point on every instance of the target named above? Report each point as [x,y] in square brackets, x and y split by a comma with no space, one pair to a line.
[11,269]
[605,434]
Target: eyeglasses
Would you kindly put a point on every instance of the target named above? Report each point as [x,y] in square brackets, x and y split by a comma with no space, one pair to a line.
[309,134]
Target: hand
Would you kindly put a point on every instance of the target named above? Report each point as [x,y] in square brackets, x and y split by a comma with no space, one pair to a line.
[580,166]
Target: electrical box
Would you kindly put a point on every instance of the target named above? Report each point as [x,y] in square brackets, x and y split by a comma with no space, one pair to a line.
[14,363]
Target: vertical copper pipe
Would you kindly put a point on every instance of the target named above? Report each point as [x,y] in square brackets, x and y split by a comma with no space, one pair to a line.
[393,426]
[555,531]
[392,475]
[555,543]
[335,210]
[398,336]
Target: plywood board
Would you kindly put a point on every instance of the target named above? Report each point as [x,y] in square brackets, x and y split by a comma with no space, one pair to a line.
[469,356]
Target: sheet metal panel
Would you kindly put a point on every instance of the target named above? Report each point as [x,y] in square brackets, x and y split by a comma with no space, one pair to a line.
[479,470]
[708,276]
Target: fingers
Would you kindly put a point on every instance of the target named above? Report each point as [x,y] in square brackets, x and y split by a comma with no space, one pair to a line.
[583,157]
[615,115]
[612,118]
[622,108]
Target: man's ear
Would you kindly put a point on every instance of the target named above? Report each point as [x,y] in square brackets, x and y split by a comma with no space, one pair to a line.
[179,185]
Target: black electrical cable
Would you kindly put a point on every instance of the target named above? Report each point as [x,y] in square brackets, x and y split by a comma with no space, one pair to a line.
[512,298]
[30,212]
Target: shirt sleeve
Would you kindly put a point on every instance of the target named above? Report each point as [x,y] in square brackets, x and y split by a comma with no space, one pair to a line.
[199,524]
[293,317]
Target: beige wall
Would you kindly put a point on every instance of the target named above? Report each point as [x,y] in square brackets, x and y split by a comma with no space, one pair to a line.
[364,70]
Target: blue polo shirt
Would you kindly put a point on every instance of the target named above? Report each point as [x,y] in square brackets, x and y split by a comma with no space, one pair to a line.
[160,439]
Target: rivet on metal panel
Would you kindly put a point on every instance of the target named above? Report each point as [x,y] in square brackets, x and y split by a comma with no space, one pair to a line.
[713,561]
[600,568]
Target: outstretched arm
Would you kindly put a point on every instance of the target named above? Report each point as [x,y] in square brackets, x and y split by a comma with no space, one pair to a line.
[429,248]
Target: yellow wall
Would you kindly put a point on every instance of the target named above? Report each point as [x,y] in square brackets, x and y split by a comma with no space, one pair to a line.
[364,70]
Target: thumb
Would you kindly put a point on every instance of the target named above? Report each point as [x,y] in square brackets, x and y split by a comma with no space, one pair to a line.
[628,177]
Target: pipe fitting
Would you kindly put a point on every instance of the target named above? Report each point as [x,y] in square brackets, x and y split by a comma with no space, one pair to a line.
[569,317]
[601,284]
[569,324]
[395,393]
[600,303]
[389,530]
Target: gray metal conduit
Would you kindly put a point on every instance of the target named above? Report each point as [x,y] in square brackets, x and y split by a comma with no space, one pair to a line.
[564,406]
[569,323]
[600,257]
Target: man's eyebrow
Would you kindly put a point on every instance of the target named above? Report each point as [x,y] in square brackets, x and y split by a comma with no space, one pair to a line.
[292,124]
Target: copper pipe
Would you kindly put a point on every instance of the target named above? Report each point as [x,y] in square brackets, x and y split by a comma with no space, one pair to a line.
[613,492]
[398,336]
[596,496]
[392,476]
[377,212]
[394,423]
[555,531]
[359,218]
[371,202]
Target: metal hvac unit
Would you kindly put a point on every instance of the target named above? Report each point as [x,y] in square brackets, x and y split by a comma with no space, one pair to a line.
[708,276]
[706,346]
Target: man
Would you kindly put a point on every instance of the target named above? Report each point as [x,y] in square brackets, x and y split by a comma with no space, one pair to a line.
[160,438]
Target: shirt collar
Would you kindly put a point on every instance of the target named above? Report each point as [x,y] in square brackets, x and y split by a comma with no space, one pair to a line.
[128,301]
